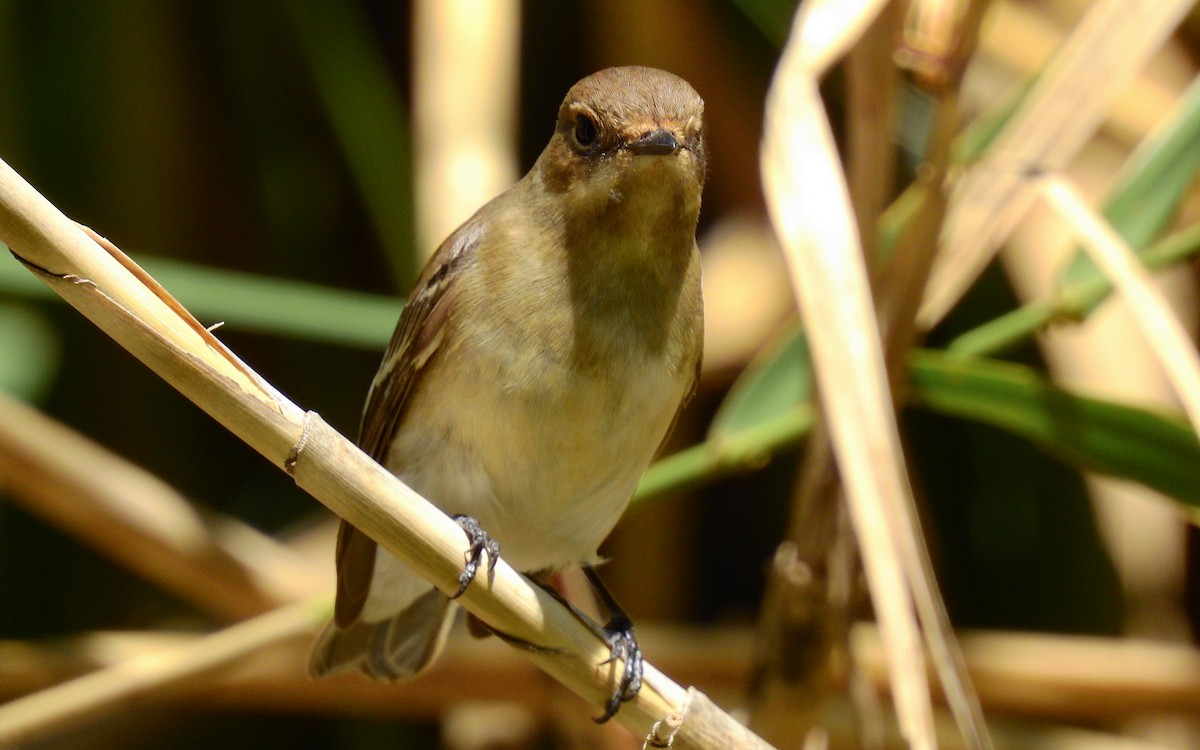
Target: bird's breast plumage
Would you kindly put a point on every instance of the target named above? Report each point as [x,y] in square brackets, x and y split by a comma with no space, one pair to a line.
[547,447]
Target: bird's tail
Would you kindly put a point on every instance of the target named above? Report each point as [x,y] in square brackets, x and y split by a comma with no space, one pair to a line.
[397,648]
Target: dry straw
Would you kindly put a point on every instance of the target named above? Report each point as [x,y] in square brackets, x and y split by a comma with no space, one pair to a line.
[810,208]
[1068,102]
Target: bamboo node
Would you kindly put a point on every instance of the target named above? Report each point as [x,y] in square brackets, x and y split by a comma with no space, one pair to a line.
[662,734]
[293,456]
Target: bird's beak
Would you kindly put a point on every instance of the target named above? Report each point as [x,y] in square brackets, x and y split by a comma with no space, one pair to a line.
[660,142]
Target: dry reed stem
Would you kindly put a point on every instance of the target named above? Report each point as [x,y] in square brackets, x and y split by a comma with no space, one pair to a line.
[1045,676]
[72,702]
[1068,102]
[1151,310]
[939,37]
[872,83]
[273,677]
[1069,678]
[1021,37]
[124,302]
[465,61]
[810,208]
[218,563]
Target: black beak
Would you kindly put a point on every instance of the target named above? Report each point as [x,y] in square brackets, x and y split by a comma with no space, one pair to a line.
[658,142]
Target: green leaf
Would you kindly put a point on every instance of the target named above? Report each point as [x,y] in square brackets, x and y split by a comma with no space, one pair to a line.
[1157,450]
[727,453]
[977,137]
[264,304]
[249,302]
[779,379]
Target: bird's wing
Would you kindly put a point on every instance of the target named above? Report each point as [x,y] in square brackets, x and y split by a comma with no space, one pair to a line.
[414,343]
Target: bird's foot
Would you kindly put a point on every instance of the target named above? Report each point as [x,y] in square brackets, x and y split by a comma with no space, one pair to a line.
[480,543]
[622,645]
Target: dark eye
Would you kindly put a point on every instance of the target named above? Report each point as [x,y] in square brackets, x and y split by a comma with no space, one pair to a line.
[586,132]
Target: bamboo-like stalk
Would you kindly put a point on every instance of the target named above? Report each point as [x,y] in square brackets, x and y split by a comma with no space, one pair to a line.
[810,208]
[1064,677]
[122,301]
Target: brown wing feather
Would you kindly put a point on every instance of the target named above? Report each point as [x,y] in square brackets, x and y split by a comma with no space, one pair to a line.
[415,341]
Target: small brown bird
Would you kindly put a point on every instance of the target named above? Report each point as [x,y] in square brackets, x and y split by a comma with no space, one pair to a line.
[538,366]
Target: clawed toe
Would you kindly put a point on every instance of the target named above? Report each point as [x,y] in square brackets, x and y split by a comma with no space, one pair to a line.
[480,542]
[622,645]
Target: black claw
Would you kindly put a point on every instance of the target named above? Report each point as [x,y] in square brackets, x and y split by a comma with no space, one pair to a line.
[480,541]
[622,645]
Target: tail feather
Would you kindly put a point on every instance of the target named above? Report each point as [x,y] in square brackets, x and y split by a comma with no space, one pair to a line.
[397,648]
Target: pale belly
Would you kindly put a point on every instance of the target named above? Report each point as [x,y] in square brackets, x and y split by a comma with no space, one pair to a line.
[547,469]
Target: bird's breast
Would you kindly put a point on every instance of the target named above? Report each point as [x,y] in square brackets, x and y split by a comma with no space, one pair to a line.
[545,454]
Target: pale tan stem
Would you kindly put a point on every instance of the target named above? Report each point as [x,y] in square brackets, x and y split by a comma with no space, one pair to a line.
[810,209]
[1132,280]
[129,515]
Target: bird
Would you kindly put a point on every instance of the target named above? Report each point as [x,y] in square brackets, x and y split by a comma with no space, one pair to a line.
[540,363]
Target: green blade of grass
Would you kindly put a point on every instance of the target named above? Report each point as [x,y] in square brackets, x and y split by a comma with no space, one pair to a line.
[778,379]
[249,302]
[1157,450]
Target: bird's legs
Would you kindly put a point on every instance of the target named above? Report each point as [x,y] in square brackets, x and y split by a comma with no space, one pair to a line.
[480,542]
[622,645]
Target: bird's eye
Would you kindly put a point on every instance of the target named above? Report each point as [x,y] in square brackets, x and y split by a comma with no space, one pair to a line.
[586,131]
